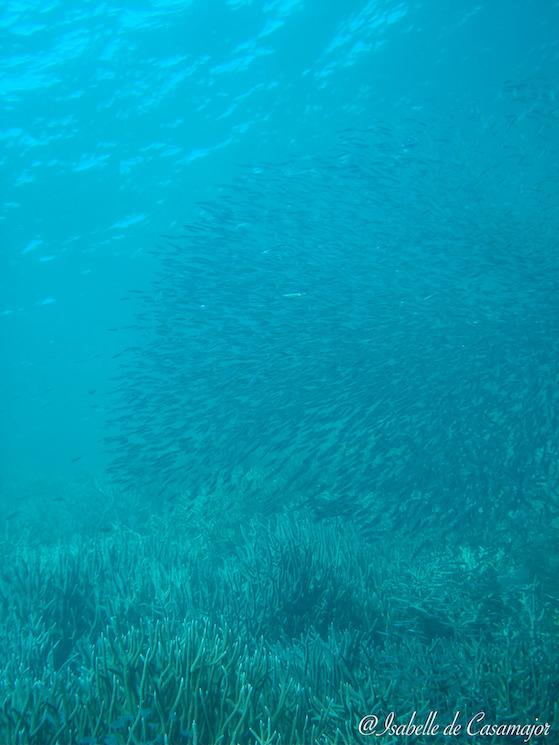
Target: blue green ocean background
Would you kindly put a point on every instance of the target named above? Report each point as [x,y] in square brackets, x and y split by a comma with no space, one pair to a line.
[279,409]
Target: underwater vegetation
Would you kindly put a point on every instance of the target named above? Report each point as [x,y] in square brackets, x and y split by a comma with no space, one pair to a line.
[287,630]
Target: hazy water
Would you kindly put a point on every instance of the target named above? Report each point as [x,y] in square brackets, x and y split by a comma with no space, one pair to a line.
[434,281]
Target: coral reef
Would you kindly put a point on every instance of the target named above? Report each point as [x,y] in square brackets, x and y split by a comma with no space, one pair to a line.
[289,631]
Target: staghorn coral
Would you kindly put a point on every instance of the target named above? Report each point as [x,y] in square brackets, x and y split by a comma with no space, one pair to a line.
[289,636]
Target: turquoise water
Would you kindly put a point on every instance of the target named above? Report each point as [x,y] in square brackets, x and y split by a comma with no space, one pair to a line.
[117,119]
[265,258]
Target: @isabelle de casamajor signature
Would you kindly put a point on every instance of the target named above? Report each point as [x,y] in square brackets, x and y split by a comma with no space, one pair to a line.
[474,726]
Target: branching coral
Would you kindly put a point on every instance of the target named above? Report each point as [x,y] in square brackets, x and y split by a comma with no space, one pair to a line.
[290,636]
